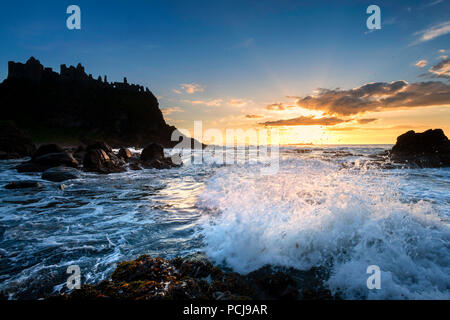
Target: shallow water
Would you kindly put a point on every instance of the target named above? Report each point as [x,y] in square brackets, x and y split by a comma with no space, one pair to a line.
[313,211]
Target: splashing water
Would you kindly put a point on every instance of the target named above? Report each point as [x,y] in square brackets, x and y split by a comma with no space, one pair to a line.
[314,213]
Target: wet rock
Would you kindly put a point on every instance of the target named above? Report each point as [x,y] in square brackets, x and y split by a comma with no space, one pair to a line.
[51,160]
[60,174]
[125,153]
[79,153]
[48,156]
[151,152]
[23,184]
[135,166]
[97,160]
[149,278]
[274,285]
[153,157]
[427,149]
[46,149]
[14,142]
[100,145]
[165,163]
[30,167]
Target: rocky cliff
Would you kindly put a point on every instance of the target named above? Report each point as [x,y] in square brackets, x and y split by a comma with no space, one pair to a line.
[72,105]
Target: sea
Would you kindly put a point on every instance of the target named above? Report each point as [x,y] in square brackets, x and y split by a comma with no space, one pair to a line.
[329,206]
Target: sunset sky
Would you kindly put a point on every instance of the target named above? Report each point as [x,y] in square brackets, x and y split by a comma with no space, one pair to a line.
[311,69]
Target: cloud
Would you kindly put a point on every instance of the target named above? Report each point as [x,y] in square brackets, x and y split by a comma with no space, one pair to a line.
[305,121]
[433,32]
[238,102]
[421,63]
[167,111]
[209,103]
[400,127]
[192,88]
[433,3]
[365,121]
[441,70]
[442,51]
[176,91]
[377,96]
[279,106]
[254,116]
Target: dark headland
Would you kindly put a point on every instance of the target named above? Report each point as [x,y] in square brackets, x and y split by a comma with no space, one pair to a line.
[72,106]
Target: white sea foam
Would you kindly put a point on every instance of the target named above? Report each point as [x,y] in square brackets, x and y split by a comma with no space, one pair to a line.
[313,213]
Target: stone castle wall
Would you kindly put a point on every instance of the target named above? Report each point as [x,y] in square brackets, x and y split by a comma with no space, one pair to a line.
[34,71]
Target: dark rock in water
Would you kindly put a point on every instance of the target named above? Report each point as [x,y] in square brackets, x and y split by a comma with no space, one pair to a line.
[60,174]
[23,185]
[79,154]
[30,167]
[165,163]
[50,160]
[125,153]
[14,143]
[148,278]
[153,157]
[427,149]
[276,285]
[151,152]
[46,149]
[48,156]
[100,145]
[135,166]
[97,160]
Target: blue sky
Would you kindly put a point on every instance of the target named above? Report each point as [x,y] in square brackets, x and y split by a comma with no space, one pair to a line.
[255,52]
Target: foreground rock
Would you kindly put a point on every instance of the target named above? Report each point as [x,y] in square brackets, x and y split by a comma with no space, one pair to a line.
[60,174]
[46,157]
[23,184]
[14,143]
[152,156]
[150,278]
[100,158]
[125,154]
[428,149]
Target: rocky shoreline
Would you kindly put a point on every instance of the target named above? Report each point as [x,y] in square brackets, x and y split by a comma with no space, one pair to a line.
[59,164]
[155,278]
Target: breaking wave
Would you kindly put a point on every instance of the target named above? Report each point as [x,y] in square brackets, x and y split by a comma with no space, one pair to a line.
[315,213]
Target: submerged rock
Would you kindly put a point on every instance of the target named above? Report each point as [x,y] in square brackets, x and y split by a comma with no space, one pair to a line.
[51,160]
[46,157]
[60,174]
[100,145]
[151,152]
[125,153]
[23,184]
[427,149]
[153,157]
[98,160]
[79,154]
[46,149]
[148,278]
